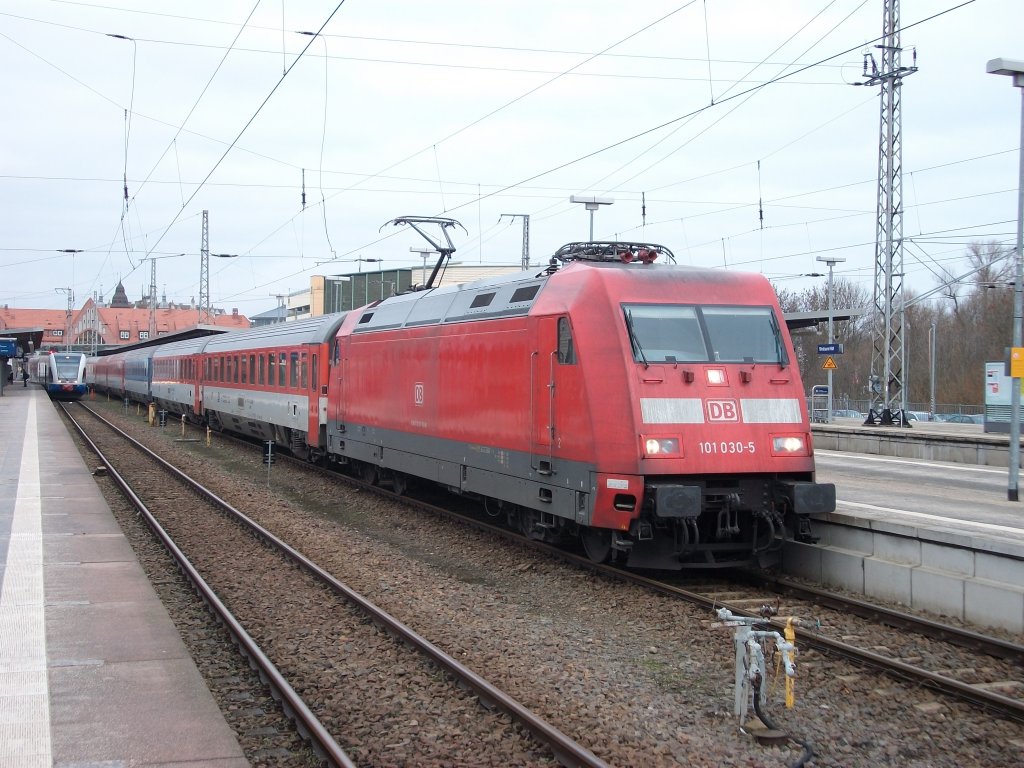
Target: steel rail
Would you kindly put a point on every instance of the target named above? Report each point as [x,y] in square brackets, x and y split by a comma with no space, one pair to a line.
[990,700]
[567,751]
[294,707]
[993,646]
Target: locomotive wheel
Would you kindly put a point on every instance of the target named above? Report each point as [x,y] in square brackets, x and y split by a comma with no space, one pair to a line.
[368,474]
[597,543]
[528,520]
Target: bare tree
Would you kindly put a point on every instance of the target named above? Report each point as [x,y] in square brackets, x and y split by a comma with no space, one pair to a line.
[972,320]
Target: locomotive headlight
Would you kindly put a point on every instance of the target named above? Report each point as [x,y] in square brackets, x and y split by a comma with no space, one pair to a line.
[716,377]
[789,445]
[661,446]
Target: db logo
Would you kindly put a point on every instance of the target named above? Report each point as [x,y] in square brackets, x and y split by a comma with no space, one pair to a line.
[722,410]
[417,394]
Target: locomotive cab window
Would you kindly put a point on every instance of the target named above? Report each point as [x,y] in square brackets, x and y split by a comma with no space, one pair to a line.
[744,335]
[669,333]
[660,333]
[566,347]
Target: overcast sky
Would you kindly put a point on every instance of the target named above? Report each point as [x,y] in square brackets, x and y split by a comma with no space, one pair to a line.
[731,131]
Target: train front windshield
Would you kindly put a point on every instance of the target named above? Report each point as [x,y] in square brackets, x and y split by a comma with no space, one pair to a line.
[67,366]
[675,333]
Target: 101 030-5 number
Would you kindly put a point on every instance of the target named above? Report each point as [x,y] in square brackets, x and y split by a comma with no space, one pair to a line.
[710,447]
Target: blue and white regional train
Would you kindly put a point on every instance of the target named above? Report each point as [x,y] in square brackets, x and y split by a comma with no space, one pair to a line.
[61,374]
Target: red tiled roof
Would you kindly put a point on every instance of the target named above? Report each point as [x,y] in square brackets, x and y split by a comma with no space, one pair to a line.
[114,323]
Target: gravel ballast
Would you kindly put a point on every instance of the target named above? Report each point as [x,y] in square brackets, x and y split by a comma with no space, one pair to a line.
[638,679]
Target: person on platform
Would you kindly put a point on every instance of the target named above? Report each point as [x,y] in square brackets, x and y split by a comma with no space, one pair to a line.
[24,377]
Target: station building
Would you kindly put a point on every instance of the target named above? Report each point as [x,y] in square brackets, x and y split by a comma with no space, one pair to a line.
[99,325]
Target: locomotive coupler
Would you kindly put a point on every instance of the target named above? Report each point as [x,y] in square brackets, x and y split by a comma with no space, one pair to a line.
[728,517]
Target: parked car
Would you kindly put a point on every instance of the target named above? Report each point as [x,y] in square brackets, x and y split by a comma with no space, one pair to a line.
[917,416]
[847,414]
[955,418]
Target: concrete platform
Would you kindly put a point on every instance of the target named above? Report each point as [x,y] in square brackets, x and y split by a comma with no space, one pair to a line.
[930,441]
[954,549]
[971,571]
[92,671]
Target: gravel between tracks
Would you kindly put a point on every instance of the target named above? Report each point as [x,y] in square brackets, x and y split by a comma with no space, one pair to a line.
[640,680]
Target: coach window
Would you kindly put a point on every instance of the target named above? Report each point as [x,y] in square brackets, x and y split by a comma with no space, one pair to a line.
[252,369]
[228,368]
[313,371]
[243,372]
[282,369]
[293,370]
[272,369]
[259,370]
[302,370]
[235,374]
[566,347]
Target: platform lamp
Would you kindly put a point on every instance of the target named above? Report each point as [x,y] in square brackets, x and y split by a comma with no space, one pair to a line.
[592,204]
[424,251]
[1015,69]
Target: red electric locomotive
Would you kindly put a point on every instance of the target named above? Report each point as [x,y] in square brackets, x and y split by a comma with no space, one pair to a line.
[654,411]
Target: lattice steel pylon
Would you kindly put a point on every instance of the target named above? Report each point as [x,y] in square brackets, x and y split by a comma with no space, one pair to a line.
[886,389]
[204,272]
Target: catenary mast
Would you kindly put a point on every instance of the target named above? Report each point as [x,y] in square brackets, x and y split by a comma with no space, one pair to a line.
[204,272]
[887,375]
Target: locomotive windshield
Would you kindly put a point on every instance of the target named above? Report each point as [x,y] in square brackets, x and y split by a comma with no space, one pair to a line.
[67,366]
[673,333]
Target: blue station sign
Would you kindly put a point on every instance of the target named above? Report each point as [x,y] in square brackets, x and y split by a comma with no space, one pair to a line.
[830,349]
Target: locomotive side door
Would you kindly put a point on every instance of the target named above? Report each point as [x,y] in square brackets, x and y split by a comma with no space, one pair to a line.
[543,361]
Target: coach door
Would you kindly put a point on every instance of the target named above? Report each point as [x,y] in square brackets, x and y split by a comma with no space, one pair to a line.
[317,394]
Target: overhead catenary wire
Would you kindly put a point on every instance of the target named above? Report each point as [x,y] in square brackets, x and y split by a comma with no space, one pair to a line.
[661,209]
[249,122]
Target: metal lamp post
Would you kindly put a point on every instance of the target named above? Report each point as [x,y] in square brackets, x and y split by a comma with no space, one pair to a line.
[831,261]
[424,251]
[592,204]
[1015,69]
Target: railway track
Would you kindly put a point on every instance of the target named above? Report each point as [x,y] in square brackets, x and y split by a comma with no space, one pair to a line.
[642,676]
[322,646]
[981,670]
[965,664]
